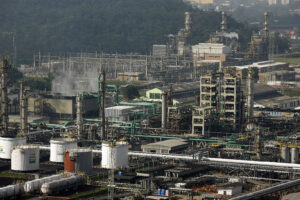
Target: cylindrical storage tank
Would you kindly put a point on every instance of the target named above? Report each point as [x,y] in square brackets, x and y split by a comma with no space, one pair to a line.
[285,154]
[36,184]
[79,160]
[114,155]
[9,191]
[25,158]
[7,145]
[69,163]
[58,148]
[294,155]
[60,185]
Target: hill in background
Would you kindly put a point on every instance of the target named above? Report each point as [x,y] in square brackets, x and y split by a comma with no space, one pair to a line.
[122,26]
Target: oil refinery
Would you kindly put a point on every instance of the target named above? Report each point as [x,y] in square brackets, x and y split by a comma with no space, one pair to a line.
[204,121]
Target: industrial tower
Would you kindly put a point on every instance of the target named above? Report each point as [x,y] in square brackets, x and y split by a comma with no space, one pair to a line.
[4,99]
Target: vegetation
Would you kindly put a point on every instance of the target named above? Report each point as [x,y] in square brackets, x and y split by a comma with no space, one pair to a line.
[130,92]
[291,93]
[90,193]
[13,175]
[14,76]
[123,26]
[292,58]
[38,83]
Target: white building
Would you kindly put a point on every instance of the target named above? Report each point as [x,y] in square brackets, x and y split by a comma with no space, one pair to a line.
[230,189]
[210,51]
[272,2]
[285,2]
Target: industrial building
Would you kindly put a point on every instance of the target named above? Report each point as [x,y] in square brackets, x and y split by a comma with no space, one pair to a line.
[181,93]
[165,147]
[61,108]
[210,52]
[220,99]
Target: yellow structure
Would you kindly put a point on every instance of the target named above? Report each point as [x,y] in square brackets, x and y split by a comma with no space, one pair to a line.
[202,1]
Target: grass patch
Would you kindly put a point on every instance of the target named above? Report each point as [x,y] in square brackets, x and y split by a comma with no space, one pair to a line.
[291,58]
[13,175]
[294,61]
[291,93]
[89,193]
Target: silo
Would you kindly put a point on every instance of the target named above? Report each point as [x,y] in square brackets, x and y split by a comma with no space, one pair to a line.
[114,155]
[285,154]
[79,160]
[7,144]
[25,158]
[58,148]
[294,155]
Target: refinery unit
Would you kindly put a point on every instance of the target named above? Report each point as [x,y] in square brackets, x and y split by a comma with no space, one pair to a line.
[200,129]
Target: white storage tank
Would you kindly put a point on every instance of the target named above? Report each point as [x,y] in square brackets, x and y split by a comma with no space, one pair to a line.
[285,154]
[294,155]
[114,155]
[25,158]
[7,145]
[58,148]
[9,191]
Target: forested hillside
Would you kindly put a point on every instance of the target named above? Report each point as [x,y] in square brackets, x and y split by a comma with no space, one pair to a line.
[123,26]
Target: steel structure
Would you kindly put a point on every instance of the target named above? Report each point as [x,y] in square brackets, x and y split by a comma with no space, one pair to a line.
[269,190]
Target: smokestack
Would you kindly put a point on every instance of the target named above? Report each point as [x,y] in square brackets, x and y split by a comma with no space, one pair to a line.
[102,96]
[224,22]
[79,120]
[23,110]
[266,24]
[4,99]
[266,36]
[164,110]
[188,21]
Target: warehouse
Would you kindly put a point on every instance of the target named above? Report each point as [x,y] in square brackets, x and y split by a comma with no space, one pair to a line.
[167,146]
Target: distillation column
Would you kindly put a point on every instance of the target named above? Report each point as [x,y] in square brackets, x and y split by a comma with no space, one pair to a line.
[79,120]
[250,102]
[23,110]
[102,108]
[4,99]
[164,110]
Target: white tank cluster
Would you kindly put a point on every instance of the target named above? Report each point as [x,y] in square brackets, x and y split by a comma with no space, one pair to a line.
[114,155]
[36,184]
[60,185]
[290,155]
[25,158]
[7,145]
[58,148]
[9,191]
